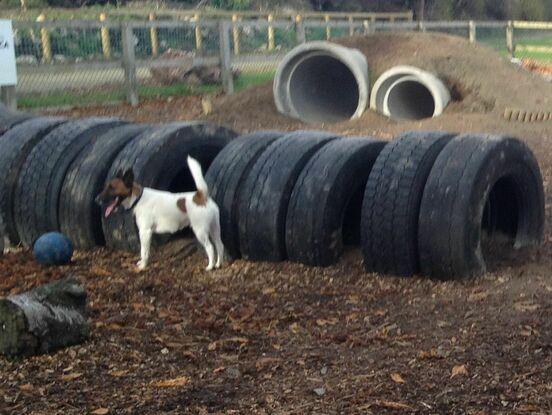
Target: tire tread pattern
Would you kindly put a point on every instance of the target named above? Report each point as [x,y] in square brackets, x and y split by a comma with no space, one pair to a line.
[225,177]
[80,216]
[392,201]
[41,177]
[269,185]
[15,146]
[321,195]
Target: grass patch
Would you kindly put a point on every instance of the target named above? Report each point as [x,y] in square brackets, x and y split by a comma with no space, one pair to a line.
[145,92]
[248,79]
[538,41]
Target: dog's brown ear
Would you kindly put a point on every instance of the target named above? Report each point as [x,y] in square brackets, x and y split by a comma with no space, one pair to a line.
[128,178]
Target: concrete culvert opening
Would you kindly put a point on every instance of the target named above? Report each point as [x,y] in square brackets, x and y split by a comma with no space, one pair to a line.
[322,82]
[409,93]
[323,89]
[409,99]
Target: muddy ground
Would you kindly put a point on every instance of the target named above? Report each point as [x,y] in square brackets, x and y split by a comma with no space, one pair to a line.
[262,338]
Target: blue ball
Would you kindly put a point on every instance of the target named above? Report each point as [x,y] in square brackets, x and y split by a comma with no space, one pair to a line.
[53,248]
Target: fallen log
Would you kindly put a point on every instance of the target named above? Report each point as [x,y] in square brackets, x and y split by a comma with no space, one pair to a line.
[44,319]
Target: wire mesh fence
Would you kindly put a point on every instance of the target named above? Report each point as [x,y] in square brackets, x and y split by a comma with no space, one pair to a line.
[72,62]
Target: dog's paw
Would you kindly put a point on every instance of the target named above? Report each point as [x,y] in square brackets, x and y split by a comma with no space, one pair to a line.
[218,265]
[141,265]
[209,267]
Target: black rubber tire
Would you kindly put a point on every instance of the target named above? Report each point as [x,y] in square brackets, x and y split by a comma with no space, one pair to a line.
[225,178]
[472,172]
[10,120]
[325,206]
[391,207]
[15,146]
[267,189]
[79,214]
[41,177]
[158,157]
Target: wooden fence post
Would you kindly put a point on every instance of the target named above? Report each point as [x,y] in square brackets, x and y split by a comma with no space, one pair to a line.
[369,27]
[328,28]
[236,34]
[106,41]
[300,29]
[472,31]
[129,64]
[153,37]
[271,43]
[351,26]
[510,44]
[225,60]
[45,40]
[198,36]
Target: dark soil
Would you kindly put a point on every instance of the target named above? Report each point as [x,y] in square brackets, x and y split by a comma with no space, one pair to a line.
[265,338]
[283,338]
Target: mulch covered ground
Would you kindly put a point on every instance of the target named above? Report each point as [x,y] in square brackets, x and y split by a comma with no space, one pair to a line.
[285,338]
[263,338]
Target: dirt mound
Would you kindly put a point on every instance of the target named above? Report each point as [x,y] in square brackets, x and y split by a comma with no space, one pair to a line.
[481,82]
[478,77]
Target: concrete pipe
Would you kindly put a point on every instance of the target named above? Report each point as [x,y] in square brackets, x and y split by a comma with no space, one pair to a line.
[322,82]
[409,93]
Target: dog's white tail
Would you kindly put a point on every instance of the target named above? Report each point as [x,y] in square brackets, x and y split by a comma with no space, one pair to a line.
[197,174]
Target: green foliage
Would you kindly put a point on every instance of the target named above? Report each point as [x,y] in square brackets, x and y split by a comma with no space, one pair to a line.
[12,4]
[531,10]
[441,10]
[449,9]
[231,4]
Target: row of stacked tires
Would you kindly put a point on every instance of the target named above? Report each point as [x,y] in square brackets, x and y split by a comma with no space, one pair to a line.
[52,169]
[425,202]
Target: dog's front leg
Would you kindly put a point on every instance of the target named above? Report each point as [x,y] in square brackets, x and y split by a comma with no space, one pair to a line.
[145,242]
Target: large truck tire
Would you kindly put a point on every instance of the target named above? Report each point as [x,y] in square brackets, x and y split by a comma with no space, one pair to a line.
[325,206]
[267,191]
[15,146]
[36,203]
[79,214]
[480,185]
[225,178]
[392,199]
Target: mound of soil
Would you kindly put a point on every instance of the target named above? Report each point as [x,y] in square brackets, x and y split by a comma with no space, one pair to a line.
[265,338]
[478,76]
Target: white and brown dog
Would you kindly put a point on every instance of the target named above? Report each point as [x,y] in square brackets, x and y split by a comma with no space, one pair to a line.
[157,211]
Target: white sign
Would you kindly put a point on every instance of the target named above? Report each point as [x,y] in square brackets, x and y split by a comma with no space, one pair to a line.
[8,73]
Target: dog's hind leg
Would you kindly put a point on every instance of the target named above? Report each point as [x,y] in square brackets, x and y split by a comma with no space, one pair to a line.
[203,238]
[215,237]
[145,242]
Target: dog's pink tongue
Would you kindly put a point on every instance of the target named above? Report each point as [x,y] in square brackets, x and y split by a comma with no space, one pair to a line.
[109,210]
